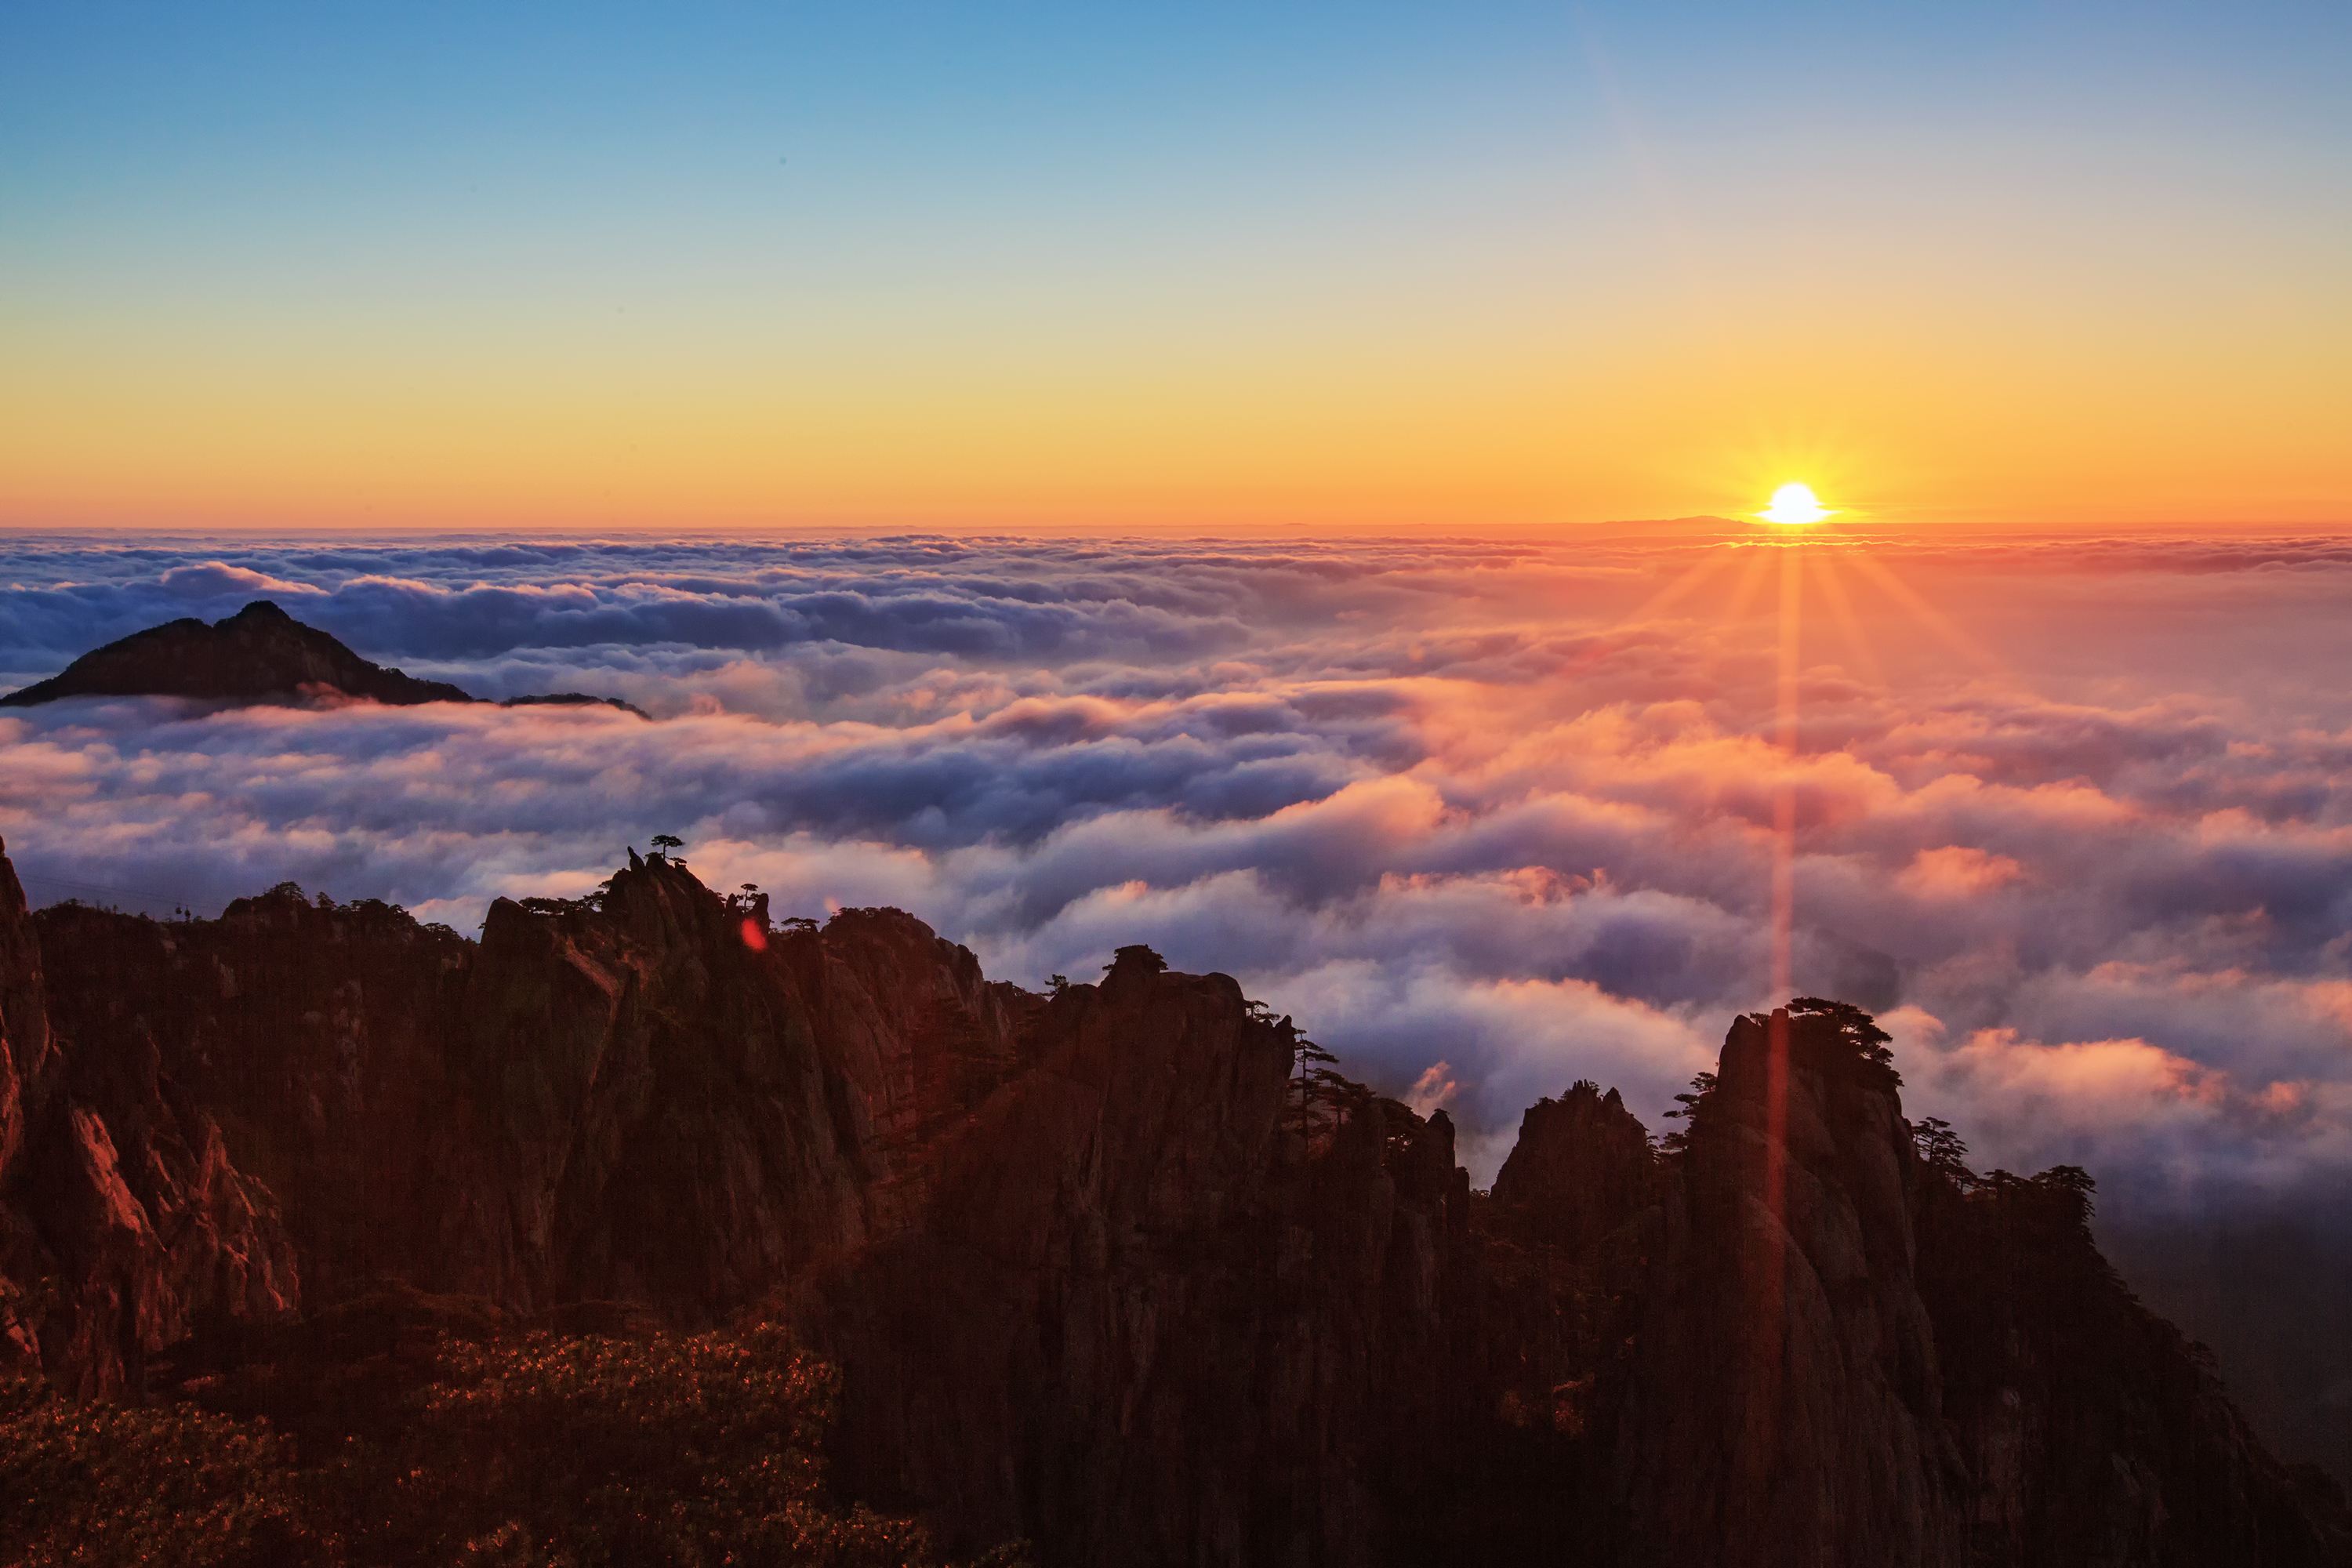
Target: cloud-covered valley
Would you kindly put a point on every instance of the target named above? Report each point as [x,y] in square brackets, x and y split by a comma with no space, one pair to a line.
[1486,817]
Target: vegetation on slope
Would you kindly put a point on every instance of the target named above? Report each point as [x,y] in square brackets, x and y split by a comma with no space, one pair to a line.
[473,1443]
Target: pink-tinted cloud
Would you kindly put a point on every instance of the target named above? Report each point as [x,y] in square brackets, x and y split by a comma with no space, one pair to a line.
[1958,871]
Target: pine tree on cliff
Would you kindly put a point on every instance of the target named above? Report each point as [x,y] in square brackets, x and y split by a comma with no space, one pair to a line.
[1942,1151]
[1853,1026]
[1693,1103]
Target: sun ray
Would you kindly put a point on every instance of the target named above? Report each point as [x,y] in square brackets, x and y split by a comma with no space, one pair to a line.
[1708,564]
[1751,582]
[1784,803]
[1784,912]
[1841,606]
[1934,619]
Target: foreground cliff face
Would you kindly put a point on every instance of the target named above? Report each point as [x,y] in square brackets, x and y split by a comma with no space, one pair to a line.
[1908,1363]
[1101,1270]
[628,1101]
[123,1218]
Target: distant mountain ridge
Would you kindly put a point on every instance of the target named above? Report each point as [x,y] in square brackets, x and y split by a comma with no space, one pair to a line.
[1117,1270]
[259,654]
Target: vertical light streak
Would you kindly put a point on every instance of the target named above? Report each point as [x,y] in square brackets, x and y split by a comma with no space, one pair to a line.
[1784,797]
[1774,1316]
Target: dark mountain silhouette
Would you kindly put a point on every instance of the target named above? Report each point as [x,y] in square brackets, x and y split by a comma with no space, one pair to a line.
[260,654]
[2267,1284]
[1120,1271]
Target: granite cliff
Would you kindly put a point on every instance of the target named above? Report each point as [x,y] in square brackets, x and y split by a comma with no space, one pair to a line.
[1104,1269]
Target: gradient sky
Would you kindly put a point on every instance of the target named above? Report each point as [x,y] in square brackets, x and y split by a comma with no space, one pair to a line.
[1209,266]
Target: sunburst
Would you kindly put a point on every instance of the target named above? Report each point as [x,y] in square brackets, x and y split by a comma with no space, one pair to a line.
[1795,506]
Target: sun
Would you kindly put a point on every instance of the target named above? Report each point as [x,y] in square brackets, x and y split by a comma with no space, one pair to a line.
[1795,504]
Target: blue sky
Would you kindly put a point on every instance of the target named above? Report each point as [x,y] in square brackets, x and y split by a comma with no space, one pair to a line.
[295,201]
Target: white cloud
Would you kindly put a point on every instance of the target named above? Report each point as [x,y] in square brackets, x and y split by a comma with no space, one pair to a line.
[1437,798]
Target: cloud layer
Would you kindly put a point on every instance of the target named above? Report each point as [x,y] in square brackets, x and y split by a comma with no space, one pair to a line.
[1487,817]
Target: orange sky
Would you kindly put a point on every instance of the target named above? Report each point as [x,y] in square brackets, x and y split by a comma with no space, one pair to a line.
[2033,272]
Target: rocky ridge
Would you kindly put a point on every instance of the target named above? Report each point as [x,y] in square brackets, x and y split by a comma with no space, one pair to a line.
[1103,1269]
[260,654]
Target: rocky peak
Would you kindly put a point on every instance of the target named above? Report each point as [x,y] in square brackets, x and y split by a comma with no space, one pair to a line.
[1134,966]
[656,904]
[261,613]
[1582,1167]
[1851,1355]
[1814,1434]
[260,654]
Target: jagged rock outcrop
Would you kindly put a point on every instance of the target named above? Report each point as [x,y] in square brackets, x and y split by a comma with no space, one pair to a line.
[260,654]
[1898,1363]
[2090,1430]
[630,1101]
[1103,1270]
[1816,1435]
[1149,1234]
[1582,1168]
[124,1222]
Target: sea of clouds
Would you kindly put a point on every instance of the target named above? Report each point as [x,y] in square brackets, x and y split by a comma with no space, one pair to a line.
[1486,817]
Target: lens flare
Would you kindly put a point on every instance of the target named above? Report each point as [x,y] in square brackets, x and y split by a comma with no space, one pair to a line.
[1794,504]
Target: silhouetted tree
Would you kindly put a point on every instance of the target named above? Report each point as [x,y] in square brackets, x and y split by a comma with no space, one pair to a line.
[1941,1150]
[1692,1102]
[2072,1193]
[1858,1028]
[1321,1093]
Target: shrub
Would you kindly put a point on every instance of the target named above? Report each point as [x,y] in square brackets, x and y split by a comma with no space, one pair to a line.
[521,1448]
